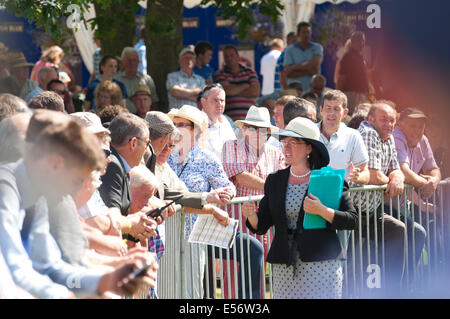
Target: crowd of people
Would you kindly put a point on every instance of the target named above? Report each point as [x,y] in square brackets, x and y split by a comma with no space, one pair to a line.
[76,185]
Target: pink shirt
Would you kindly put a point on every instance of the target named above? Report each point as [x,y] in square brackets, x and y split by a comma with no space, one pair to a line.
[418,157]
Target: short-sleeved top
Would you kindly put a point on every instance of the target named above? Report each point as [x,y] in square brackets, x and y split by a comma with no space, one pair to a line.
[238,157]
[354,68]
[90,93]
[206,72]
[182,80]
[278,68]
[132,84]
[268,66]
[237,106]
[344,147]
[218,134]
[418,157]
[382,154]
[296,55]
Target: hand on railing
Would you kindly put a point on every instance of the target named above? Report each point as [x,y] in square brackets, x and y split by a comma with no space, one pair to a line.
[220,196]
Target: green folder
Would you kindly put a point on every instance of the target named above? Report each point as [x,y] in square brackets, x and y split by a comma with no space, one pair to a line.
[326,184]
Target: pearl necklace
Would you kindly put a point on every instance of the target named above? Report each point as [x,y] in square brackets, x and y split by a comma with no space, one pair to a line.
[299,176]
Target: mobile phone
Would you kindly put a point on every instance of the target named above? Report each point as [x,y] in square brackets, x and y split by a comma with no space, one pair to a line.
[141,271]
[158,211]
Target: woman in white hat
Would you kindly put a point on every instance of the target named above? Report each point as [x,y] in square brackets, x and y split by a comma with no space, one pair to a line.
[314,254]
[248,161]
[201,171]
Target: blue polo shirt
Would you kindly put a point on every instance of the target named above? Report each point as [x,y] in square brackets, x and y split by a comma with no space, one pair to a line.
[296,55]
[205,72]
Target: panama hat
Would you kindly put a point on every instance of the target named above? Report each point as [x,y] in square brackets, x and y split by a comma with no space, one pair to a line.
[91,121]
[256,116]
[193,114]
[16,59]
[305,129]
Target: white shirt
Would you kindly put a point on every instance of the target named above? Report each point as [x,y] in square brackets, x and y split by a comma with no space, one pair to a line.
[218,134]
[344,147]
[268,65]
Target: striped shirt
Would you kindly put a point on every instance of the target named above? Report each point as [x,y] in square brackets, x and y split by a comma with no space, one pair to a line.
[238,157]
[237,106]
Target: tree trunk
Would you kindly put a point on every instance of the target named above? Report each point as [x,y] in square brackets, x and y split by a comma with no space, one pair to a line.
[164,40]
[116,26]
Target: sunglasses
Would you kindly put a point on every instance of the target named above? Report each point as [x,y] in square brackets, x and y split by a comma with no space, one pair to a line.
[178,125]
[209,87]
[107,153]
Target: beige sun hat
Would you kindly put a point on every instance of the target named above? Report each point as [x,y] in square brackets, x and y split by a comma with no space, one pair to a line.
[17,59]
[308,131]
[91,121]
[256,116]
[193,114]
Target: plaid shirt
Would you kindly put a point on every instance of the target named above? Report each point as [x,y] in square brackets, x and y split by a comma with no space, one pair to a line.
[382,156]
[238,157]
[156,245]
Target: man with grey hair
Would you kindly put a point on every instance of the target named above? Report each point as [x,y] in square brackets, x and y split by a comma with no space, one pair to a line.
[131,78]
[11,104]
[12,137]
[44,76]
[129,141]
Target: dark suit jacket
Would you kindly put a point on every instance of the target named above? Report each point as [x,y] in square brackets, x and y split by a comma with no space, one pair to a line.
[312,244]
[164,192]
[115,189]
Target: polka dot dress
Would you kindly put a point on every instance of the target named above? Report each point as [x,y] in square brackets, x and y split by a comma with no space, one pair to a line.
[322,279]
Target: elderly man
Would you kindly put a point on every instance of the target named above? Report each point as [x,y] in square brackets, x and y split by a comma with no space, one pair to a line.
[184,86]
[19,69]
[45,75]
[384,168]
[162,130]
[47,100]
[241,84]
[302,59]
[142,100]
[220,129]
[417,163]
[131,78]
[56,163]
[129,141]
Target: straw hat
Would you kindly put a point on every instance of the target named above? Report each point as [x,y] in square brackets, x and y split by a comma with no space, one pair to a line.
[91,121]
[256,116]
[16,59]
[193,114]
[305,129]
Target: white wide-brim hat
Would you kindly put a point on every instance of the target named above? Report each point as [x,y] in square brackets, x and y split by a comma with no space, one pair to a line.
[256,116]
[308,131]
[193,114]
[91,121]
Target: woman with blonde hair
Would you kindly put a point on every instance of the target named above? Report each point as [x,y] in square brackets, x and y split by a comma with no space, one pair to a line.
[52,57]
[107,93]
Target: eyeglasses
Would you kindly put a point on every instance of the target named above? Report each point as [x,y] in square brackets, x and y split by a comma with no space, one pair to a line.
[209,87]
[171,146]
[290,143]
[139,138]
[107,153]
[183,124]
[255,128]
[60,92]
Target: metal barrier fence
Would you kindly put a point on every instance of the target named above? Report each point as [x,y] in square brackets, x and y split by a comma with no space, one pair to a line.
[181,276]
